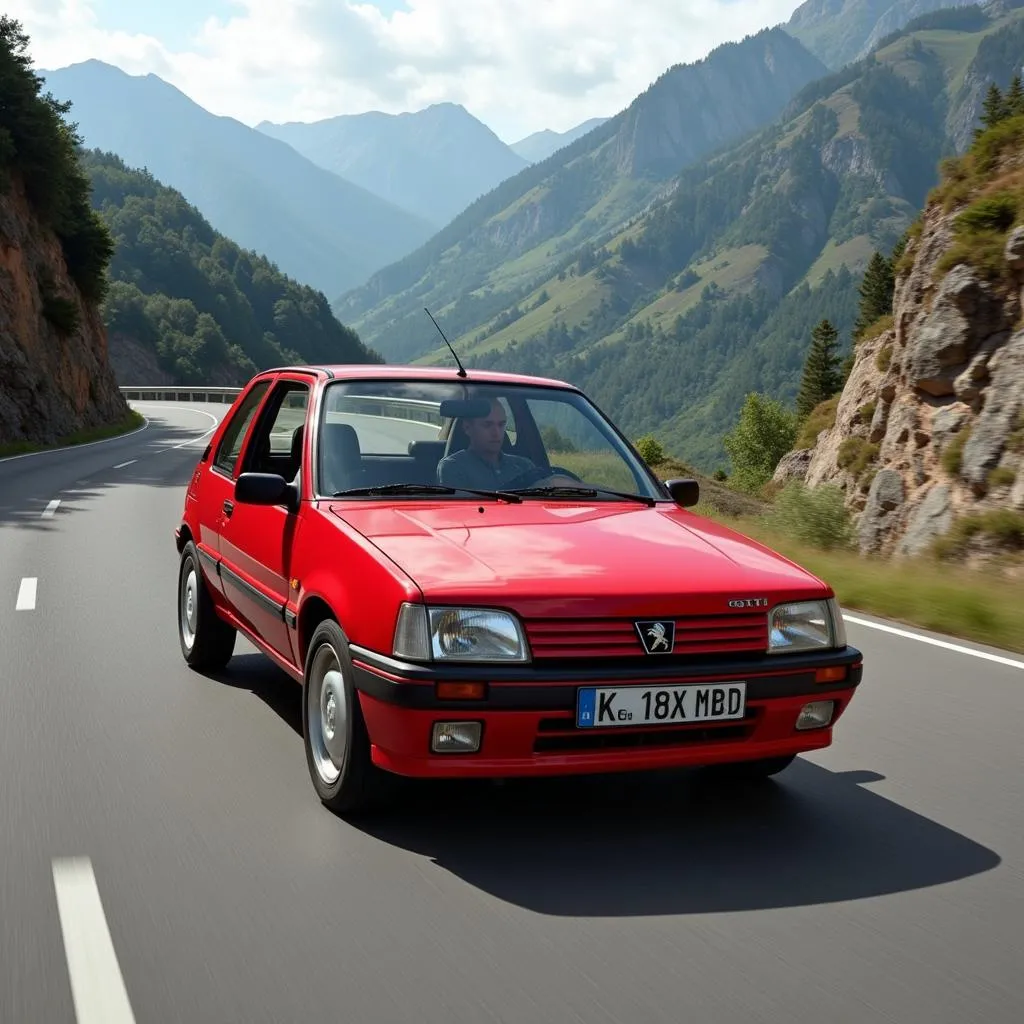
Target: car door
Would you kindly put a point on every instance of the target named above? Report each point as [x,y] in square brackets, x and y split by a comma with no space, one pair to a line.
[256,541]
[219,483]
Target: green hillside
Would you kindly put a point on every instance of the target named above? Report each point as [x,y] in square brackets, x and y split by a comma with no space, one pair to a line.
[207,310]
[671,318]
[522,232]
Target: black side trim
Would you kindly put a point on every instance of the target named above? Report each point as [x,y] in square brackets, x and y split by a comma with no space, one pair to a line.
[269,604]
[212,564]
[557,689]
[291,618]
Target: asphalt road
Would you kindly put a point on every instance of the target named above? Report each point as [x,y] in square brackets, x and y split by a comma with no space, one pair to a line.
[880,880]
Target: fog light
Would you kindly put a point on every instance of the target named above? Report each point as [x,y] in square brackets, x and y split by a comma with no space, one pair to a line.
[815,715]
[456,737]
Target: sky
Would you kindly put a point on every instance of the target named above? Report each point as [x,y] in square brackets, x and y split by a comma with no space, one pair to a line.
[517,65]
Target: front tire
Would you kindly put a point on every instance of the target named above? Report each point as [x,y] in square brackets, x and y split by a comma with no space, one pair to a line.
[333,729]
[207,641]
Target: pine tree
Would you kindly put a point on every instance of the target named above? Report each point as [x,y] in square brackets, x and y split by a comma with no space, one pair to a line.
[822,376]
[876,291]
[1015,98]
[993,110]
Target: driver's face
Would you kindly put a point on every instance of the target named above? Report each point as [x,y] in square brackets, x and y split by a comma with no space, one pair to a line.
[487,435]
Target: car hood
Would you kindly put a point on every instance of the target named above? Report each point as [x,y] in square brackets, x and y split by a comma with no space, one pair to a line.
[555,559]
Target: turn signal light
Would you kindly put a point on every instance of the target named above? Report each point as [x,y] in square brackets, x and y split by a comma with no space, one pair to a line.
[461,691]
[833,674]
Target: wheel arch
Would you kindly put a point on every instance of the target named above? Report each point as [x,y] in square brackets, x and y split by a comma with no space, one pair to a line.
[183,536]
[313,611]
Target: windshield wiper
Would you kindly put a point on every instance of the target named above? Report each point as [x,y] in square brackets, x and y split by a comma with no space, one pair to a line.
[410,488]
[565,491]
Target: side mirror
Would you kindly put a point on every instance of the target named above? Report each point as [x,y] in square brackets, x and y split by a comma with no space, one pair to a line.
[264,489]
[685,493]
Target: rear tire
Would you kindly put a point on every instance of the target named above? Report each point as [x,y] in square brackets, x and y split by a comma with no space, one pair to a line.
[333,728]
[207,641]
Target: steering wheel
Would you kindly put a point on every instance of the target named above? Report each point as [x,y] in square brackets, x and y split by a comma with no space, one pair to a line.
[562,471]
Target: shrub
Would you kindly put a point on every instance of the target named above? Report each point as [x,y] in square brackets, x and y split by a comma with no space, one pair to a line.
[822,417]
[855,455]
[1002,476]
[816,516]
[884,358]
[651,450]
[953,454]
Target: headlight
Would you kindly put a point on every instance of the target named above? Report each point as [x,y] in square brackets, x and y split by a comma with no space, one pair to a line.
[458,634]
[806,626]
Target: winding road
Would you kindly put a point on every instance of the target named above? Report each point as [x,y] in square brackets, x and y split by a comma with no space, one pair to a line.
[164,856]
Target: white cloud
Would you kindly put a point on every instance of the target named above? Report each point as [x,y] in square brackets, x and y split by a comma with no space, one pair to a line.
[519,65]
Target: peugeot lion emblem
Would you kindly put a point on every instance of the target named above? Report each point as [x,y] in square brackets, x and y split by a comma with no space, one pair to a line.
[657,637]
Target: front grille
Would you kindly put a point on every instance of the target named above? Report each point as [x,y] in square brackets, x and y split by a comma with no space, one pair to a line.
[559,735]
[618,638]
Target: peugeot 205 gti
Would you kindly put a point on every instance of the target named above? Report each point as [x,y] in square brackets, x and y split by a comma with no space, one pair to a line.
[478,575]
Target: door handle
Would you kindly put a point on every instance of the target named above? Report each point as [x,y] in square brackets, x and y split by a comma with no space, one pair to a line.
[229,506]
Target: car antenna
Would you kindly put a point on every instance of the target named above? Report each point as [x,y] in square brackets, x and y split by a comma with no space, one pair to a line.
[462,369]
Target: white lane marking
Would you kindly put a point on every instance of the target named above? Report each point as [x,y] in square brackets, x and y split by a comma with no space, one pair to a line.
[191,440]
[130,462]
[97,985]
[944,644]
[51,508]
[26,594]
[75,447]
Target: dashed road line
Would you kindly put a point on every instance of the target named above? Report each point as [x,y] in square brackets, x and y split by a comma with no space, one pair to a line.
[97,986]
[130,462]
[26,594]
[51,508]
[944,644]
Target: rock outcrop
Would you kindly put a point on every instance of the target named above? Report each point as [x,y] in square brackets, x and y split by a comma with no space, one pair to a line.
[929,428]
[53,381]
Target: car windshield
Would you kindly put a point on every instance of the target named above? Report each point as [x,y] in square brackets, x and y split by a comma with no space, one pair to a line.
[455,440]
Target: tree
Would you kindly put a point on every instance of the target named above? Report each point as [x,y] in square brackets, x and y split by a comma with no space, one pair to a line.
[876,292]
[993,110]
[822,376]
[765,432]
[1015,98]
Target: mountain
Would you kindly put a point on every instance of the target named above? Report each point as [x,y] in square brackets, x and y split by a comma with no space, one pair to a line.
[540,145]
[433,163]
[187,305]
[926,438]
[669,319]
[495,252]
[55,375]
[259,191]
[840,31]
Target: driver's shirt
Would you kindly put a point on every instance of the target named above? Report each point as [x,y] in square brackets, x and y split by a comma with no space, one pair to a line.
[467,469]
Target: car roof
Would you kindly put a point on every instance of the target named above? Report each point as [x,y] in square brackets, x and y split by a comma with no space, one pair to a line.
[370,371]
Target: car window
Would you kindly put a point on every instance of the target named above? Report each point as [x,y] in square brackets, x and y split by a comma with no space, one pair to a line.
[395,432]
[234,435]
[276,441]
[574,442]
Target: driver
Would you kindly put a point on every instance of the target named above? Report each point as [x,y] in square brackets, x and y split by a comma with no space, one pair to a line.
[483,464]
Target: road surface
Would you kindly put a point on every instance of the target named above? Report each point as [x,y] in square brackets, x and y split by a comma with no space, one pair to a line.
[165,857]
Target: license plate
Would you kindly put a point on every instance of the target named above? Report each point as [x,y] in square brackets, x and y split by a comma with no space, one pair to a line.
[607,706]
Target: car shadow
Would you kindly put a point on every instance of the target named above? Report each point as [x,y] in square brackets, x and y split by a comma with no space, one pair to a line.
[677,842]
[263,679]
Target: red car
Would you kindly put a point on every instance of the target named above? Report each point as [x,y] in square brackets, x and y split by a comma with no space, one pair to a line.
[477,575]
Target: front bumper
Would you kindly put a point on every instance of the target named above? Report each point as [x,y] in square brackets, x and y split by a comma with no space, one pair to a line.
[528,714]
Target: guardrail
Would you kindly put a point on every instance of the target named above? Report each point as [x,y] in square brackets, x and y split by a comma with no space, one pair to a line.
[419,409]
[178,394]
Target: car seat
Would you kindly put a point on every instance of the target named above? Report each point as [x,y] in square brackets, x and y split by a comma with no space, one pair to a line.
[341,460]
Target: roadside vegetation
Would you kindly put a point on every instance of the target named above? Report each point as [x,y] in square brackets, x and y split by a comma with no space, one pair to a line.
[133,421]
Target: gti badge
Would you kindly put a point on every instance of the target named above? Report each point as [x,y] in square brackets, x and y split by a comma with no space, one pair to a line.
[657,637]
[749,602]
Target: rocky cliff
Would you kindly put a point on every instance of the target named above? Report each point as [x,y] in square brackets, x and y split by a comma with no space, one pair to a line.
[928,437]
[55,375]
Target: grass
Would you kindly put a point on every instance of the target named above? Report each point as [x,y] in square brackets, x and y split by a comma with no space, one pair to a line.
[822,417]
[923,592]
[133,421]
